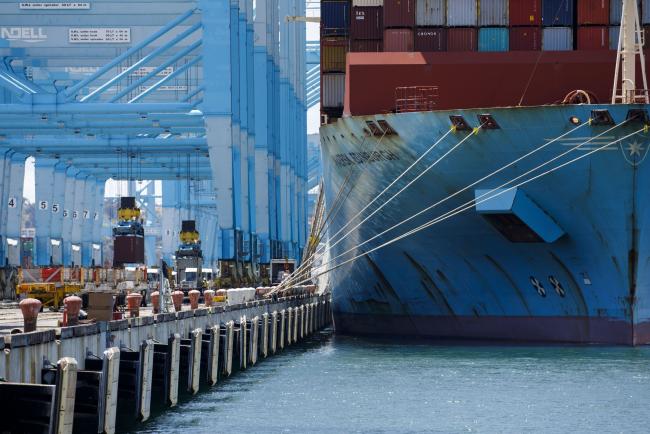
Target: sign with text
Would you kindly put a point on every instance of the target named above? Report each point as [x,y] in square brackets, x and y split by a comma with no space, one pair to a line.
[99,35]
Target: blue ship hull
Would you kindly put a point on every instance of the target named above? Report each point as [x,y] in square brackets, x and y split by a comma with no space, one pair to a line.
[572,265]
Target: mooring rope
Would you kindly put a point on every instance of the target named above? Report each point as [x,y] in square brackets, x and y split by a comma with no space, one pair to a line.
[470,205]
[311,259]
[292,281]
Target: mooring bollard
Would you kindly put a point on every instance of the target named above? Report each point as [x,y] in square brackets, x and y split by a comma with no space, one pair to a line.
[194,298]
[155,300]
[133,301]
[208,297]
[177,297]
[30,307]
[72,307]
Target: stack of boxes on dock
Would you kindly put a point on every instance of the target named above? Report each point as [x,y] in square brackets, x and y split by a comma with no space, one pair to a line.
[459,25]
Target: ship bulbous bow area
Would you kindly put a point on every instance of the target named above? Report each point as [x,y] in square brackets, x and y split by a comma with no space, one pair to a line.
[539,229]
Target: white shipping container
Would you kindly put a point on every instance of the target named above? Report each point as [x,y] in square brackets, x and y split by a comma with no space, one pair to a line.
[367,3]
[461,13]
[493,13]
[333,89]
[430,12]
[557,39]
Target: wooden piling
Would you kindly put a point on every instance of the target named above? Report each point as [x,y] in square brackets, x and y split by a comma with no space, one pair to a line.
[212,372]
[265,334]
[252,329]
[274,331]
[289,326]
[227,346]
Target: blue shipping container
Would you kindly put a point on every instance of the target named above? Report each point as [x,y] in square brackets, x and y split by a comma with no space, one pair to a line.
[616,9]
[614,31]
[493,39]
[557,12]
[557,39]
[335,17]
[645,18]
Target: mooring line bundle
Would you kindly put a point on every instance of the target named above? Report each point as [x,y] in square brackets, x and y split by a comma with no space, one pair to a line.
[300,276]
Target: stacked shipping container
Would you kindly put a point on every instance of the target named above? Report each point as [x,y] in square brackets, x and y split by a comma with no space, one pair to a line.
[461,25]
[334,34]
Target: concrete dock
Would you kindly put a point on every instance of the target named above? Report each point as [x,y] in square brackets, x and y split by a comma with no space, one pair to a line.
[81,378]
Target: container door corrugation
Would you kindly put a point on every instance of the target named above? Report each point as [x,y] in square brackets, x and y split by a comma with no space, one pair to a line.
[557,39]
[367,46]
[461,13]
[332,89]
[614,31]
[430,12]
[398,40]
[333,52]
[493,13]
[593,38]
[493,39]
[593,12]
[368,3]
[461,39]
[525,39]
[557,12]
[431,39]
[367,23]
[399,13]
[525,12]
[645,8]
[335,17]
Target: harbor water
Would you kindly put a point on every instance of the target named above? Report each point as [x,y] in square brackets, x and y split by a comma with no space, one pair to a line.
[339,384]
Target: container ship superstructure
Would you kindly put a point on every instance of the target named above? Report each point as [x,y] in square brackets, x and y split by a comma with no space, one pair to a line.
[500,127]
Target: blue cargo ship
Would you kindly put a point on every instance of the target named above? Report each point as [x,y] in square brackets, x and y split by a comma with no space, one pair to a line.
[563,257]
[537,219]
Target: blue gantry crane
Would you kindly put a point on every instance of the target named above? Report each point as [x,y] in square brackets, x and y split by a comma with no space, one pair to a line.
[208,96]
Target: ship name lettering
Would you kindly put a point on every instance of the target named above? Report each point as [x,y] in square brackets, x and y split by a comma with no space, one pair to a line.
[356,158]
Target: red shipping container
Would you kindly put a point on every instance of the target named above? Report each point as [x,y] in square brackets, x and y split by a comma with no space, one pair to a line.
[431,39]
[399,13]
[367,23]
[525,39]
[593,38]
[525,12]
[398,40]
[477,79]
[367,46]
[461,39]
[593,12]
[128,250]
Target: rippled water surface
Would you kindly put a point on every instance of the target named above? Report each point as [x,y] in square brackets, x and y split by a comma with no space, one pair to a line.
[343,385]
